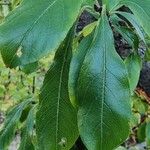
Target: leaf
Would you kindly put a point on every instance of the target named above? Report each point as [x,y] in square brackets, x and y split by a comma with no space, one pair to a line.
[131,18]
[126,32]
[27,133]
[25,113]
[56,117]
[7,134]
[147,55]
[29,68]
[75,66]
[112,4]
[33,30]
[148,134]
[141,11]
[103,93]
[135,120]
[134,66]
[128,35]
[138,105]
[14,3]
[88,29]
[141,134]
[88,2]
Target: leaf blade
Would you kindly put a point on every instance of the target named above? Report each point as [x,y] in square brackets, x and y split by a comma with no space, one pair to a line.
[27,132]
[19,40]
[102,77]
[58,117]
[141,12]
[7,134]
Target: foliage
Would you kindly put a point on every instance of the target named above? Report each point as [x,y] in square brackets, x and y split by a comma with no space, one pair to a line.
[88,90]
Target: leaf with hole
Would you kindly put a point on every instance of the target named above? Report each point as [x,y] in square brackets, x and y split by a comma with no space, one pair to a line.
[32,30]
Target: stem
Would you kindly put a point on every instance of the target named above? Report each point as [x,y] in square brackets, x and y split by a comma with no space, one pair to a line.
[33,85]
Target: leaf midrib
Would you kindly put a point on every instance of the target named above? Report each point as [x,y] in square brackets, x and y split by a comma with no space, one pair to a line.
[103,88]
[39,17]
[59,91]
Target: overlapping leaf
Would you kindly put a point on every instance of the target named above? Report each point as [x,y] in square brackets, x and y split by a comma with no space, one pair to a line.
[134,66]
[28,131]
[103,93]
[131,18]
[88,2]
[75,66]
[35,28]
[7,134]
[56,118]
[141,11]
[112,4]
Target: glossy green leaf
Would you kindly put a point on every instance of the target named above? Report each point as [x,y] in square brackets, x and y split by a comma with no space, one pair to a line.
[134,66]
[27,132]
[12,120]
[127,33]
[56,117]
[131,18]
[33,30]
[140,8]
[75,66]
[103,93]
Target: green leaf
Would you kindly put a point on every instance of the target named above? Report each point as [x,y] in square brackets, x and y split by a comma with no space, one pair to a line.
[138,105]
[134,66]
[75,66]
[29,68]
[141,132]
[141,11]
[128,35]
[148,134]
[25,113]
[56,117]
[12,120]
[135,120]
[14,3]
[112,4]
[88,29]
[33,30]
[131,18]
[147,55]
[88,2]
[103,93]
[126,32]
[27,132]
